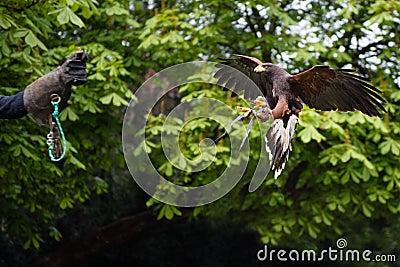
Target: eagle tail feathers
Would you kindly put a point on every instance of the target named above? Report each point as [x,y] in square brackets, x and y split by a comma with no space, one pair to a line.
[278,142]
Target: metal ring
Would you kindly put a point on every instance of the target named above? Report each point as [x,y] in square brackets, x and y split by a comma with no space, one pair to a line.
[55,98]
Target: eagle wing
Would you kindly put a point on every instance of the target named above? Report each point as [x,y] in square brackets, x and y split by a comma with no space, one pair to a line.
[326,89]
[237,82]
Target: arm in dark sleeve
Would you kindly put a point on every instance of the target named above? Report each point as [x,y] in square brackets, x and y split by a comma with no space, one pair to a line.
[12,107]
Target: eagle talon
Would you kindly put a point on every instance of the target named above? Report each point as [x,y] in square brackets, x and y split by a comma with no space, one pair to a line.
[243,109]
[264,114]
[260,102]
[247,111]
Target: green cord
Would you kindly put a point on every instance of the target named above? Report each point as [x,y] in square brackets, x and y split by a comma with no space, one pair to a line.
[64,141]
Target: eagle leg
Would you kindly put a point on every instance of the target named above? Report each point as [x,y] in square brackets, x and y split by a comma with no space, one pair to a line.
[263,113]
[238,118]
[260,110]
[281,109]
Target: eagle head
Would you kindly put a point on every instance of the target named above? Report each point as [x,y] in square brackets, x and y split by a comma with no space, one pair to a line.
[264,67]
[259,69]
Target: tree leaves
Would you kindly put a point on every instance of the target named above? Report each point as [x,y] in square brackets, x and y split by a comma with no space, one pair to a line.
[168,212]
[56,187]
[6,21]
[66,15]
[351,159]
[346,153]
[310,133]
[113,98]
[33,41]
[390,145]
[117,10]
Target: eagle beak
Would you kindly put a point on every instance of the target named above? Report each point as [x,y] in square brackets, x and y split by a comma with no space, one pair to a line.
[259,69]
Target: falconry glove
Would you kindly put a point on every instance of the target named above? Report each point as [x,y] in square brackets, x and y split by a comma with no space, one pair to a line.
[37,95]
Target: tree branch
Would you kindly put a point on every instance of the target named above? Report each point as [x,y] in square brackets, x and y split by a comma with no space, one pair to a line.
[290,186]
[250,23]
[101,239]
[371,45]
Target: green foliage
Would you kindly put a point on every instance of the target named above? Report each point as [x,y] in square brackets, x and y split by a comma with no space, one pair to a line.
[344,167]
[35,192]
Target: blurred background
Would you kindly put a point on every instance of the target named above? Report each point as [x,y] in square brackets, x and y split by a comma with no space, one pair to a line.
[342,179]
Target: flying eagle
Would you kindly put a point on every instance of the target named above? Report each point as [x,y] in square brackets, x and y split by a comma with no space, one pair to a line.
[319,87]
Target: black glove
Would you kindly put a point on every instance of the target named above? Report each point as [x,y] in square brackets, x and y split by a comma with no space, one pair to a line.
[37,95]
[75,68]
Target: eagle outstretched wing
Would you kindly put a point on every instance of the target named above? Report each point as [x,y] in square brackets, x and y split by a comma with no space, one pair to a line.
[323,88]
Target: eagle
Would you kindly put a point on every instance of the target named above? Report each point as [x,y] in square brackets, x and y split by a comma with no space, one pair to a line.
[284,96]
